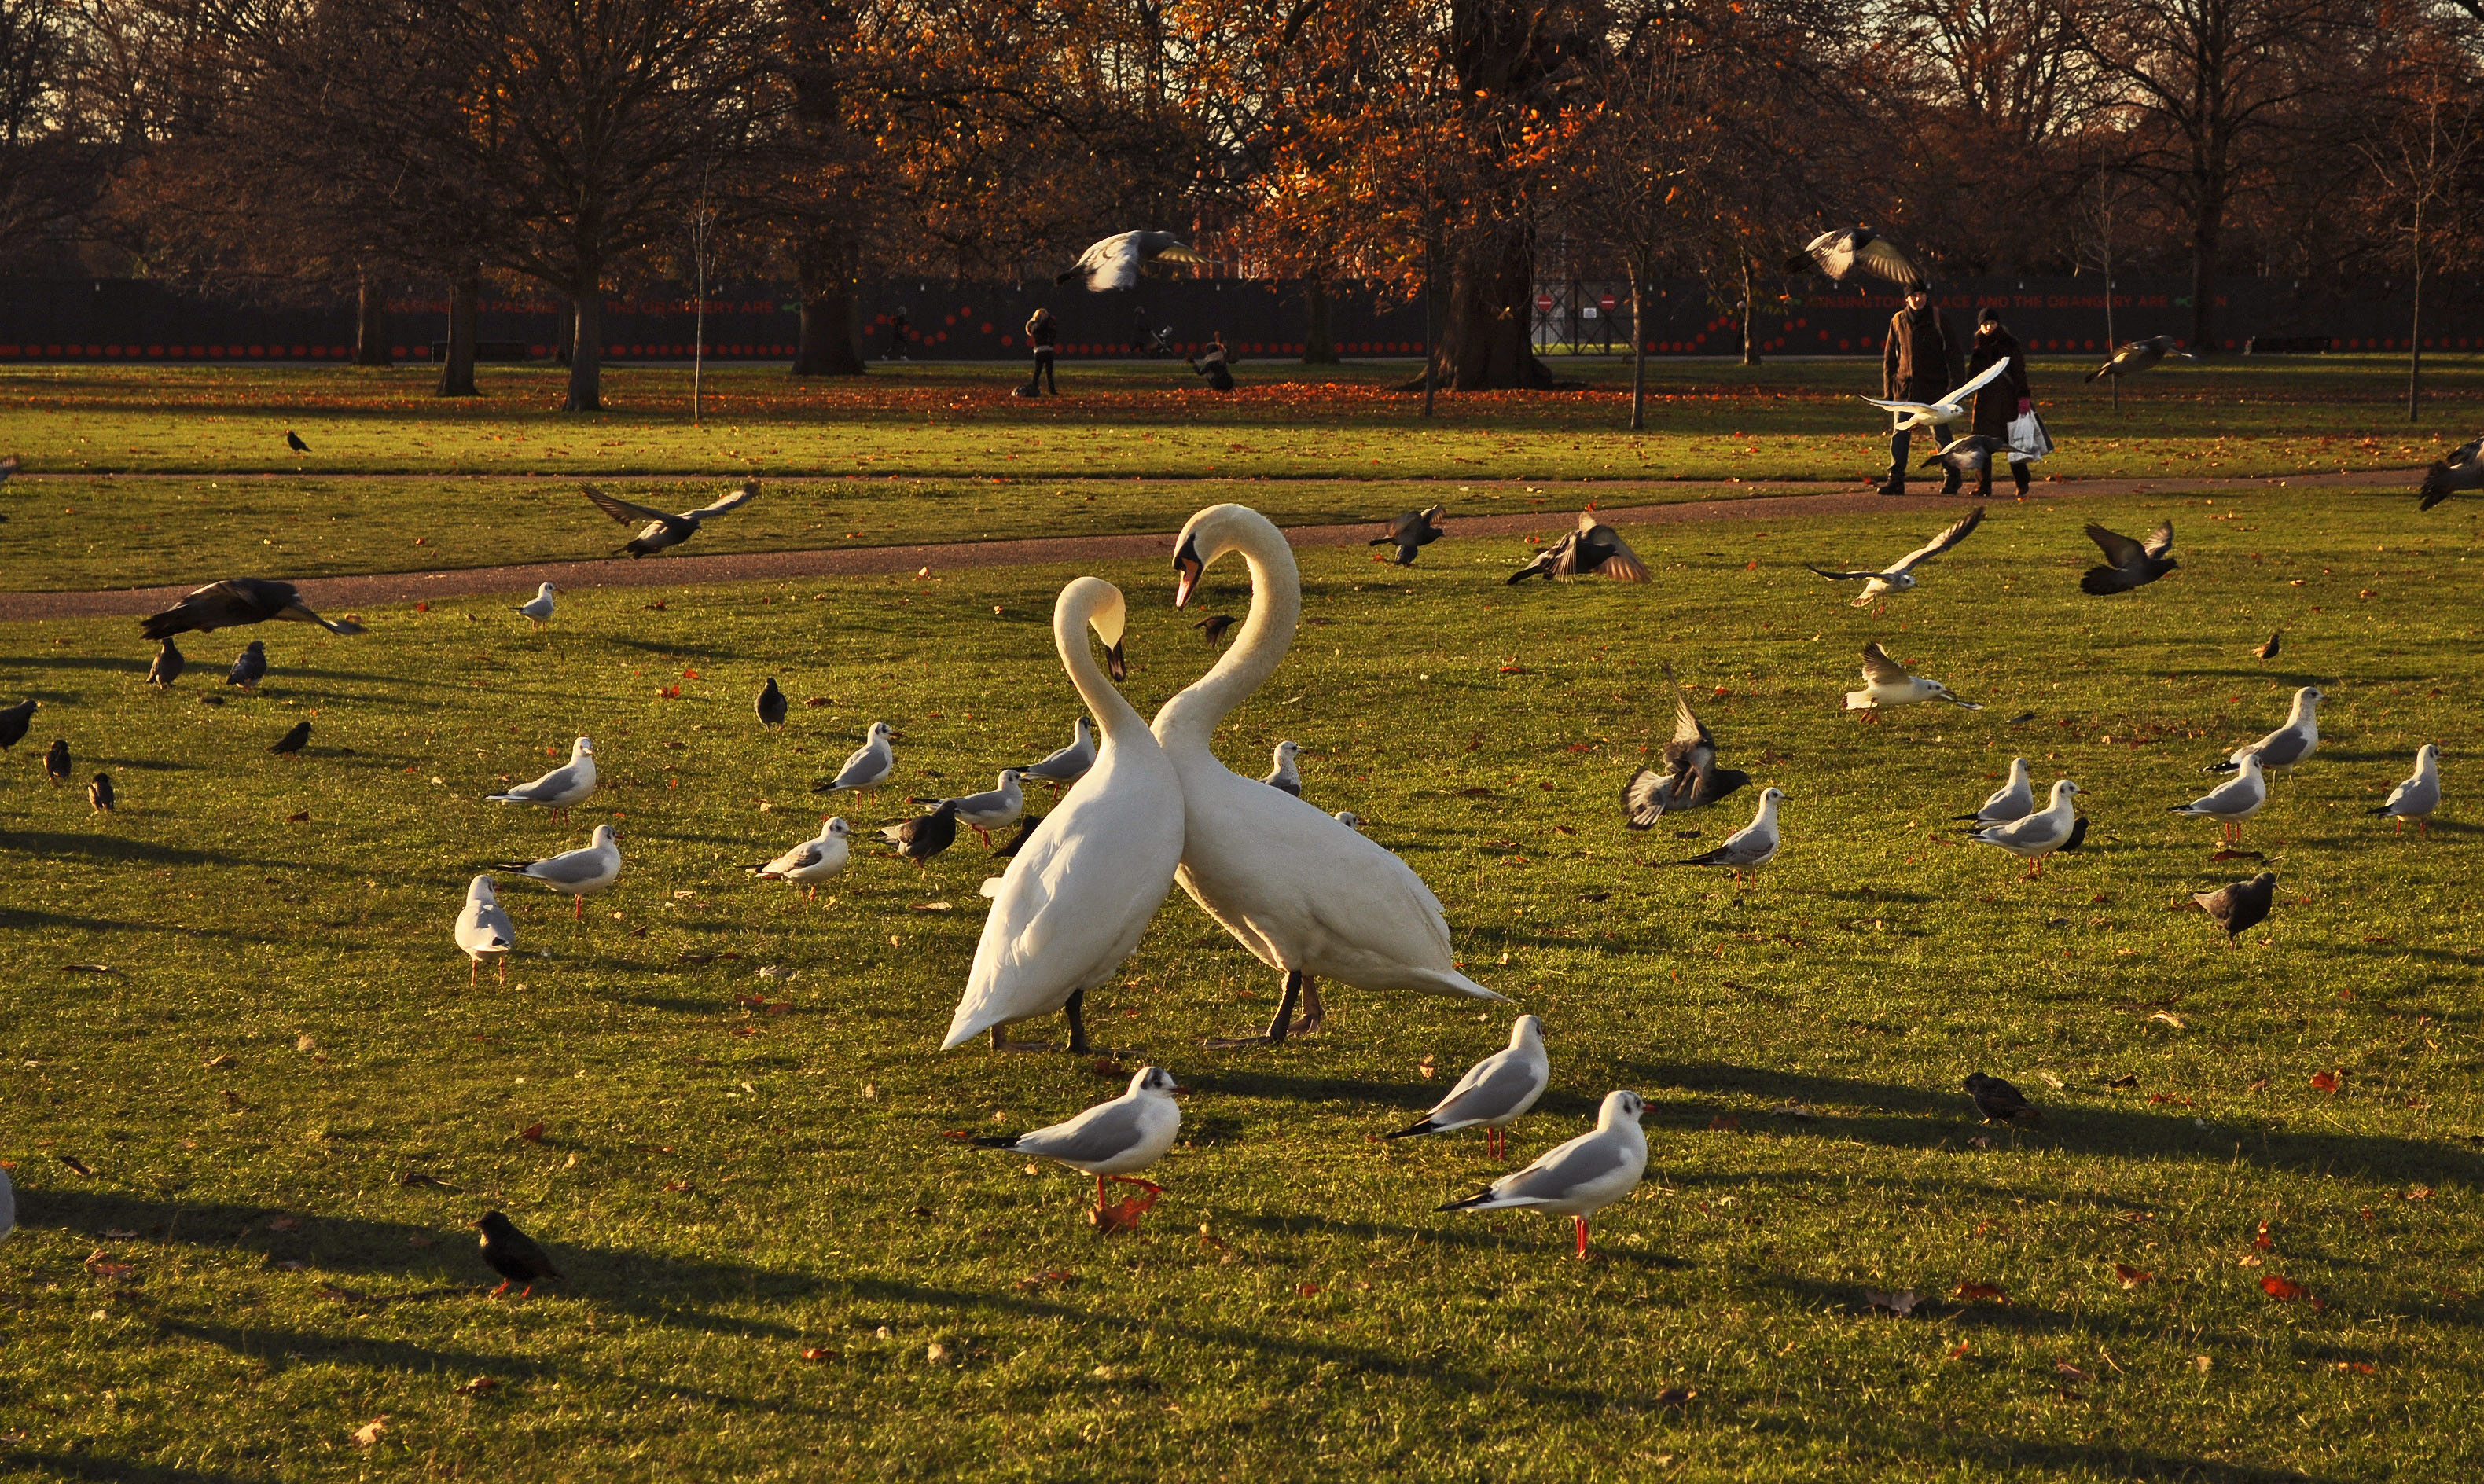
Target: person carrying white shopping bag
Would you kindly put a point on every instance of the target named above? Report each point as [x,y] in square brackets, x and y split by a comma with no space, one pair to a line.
[2005,406]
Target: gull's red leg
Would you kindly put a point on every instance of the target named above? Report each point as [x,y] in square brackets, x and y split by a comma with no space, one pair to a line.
[503,1288]
[1580,1223]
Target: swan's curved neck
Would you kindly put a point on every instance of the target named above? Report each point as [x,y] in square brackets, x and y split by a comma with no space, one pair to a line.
[1113,714]
[1276,610]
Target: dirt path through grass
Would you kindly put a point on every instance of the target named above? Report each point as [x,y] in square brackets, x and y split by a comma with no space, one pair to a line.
[1804,498]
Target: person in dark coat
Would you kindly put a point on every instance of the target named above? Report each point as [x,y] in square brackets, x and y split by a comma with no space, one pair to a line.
[1041,334]
[2007,396]
[1918,364]
[1213,364]
[900,331]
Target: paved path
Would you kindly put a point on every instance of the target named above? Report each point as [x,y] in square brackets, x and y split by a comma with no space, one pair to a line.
[1773,502]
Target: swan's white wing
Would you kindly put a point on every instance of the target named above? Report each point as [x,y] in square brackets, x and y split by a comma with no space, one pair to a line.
[1976,384]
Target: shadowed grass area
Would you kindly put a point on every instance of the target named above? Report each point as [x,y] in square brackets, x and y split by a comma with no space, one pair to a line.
[780,1266]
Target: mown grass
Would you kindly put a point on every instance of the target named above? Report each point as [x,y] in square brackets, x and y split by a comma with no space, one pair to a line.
[768,1235]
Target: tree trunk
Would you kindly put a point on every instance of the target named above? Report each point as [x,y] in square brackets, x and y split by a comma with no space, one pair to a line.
[1638,353]
[370,322]
[564,333]
[1484,346]
[830,337]
[457,369]
[2415,323]
[1750,335]
[1318,349]
[586,349]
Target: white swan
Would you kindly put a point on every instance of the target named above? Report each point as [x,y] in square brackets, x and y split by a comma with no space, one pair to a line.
[1302,892]
[1080,893]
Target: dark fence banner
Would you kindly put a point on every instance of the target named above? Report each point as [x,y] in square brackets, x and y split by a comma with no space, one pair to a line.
[108,320]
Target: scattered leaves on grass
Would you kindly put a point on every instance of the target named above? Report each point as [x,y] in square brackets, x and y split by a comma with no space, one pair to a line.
[219,1064]
[2131,1276]
[1957,1351]
[302,817]
[100,1263]
[1972,1291]
[2358,1367]
[931,906]
[2281,1290]
[369,1431]
[2327,1081]
[817,1353]
[479,1385]
[2260,1238]
[2419,1193]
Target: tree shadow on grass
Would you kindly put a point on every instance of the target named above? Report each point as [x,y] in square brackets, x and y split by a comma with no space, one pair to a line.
[2009,1457]
[1910,1118]
[26,1462]
[121,851]
[21,918]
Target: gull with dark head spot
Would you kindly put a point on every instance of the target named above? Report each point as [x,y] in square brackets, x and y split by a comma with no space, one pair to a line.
[538,608]
[2128,563]
[661,530]
[2038,834]
[1951,407]
[2419,795]
[1495,1092]
[2241,906]
[2232,801]
[1284,775]
[2012,800]
[1578,1178]
[576,875]
[1067,764]
[997,807]
[1691,778]
[867,767]
[1112,1141]
[1887,682]
[1900,575]
[1749,847]
[2291,743]
[814,860]
[571,783]
[485,930]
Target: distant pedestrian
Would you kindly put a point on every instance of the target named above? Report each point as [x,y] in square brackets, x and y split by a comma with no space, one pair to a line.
[898,328]
[1041,333]
[2006,397]
[1918,364]
[1211,363]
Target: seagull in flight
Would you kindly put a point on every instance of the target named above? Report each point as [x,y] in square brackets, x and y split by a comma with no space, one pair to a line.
[1900,575]
[1118,260]
[666,530]
[1842,254]
[1950,408]
[1886,682]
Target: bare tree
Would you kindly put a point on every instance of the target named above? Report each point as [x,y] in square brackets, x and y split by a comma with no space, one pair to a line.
[2418,167]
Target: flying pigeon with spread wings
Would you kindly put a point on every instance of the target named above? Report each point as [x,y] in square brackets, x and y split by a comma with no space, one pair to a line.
[1117,261]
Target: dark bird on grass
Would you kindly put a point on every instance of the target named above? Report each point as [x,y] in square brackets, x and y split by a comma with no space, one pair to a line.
[167,668]
[236,602]
[8,467]
[2078,835]
[13,721]
[1410,533]
[1593,548]
[2128,563]
[2241,906]
[248,667]
[99,794]
[771,704]
[56,761]
[1997,1100]
[2463,470]
[1214,626]
[1118,260]
[1691,778]
[293,741]
[513,1254]
[1013,844]
[2269,650]
[663,531]
[924,835]
[1842,254]
[294,441]
[2138,355]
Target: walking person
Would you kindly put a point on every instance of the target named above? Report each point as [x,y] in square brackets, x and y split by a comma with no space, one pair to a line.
[1042,335]
[1918,364]
[1213,363]
[2007,397]
[898,334]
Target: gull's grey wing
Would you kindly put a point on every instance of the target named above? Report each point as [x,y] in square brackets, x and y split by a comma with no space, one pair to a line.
[1951,537]
[622,510]
[739,498]
[571,867]
[2120,551]
[1880,669]
[1505,1084]
[1105,1131]
[1563,1171]
[1976,383]
[2161,541]
[1842,577]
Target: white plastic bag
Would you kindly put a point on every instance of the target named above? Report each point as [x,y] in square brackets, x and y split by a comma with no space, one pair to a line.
[2028,438]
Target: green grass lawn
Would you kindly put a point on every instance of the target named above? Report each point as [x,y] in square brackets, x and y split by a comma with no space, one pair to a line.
[781,1268]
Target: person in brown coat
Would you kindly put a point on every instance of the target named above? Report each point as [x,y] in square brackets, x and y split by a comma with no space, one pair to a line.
[1918,364]
[2007,396]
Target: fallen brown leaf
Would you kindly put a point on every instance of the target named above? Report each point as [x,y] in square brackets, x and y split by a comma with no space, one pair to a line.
[1971,1290]
[532,1133]
[369,1431]
[2280,1290]
[479,1385]
[2131,1276]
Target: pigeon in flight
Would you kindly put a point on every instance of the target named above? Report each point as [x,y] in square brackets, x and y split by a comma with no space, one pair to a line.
[1887,682]
[2128,563]
[663,531]
[236,601]
[2241,906]
[1410,534]
[248,667]
[1691,778]
[1900,575]
[1842,254]
[1953,406]
[2463,470]
[167,668]
[2138,355]
[513,1254]
[1593,548]
[1117,261]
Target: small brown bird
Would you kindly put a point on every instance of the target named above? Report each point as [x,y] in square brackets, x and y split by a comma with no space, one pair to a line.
[56,761]
[292,743]
[1214,626]
[2241,906]
[1997,1100]
[99,794]
[513,1254]
[167,665]
[2268,651]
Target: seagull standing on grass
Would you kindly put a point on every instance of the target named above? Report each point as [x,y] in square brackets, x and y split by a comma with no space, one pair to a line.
[1067,764]
[576,875]
[1691,779]
[2232,801]
[1284,775]
[538,608]
[1900,575]
[813,861]
[1495,1092]
[1112,1141]
[663,530]
[2038,834]
[2012,800]
[1578,1178]
[1886,682]
[2289,744]
[564,786]
[2419,795]
[485,930]
[1749,847]
[867,767]
[997,807]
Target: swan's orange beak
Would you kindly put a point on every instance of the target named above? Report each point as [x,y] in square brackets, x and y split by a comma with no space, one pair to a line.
[1187,566]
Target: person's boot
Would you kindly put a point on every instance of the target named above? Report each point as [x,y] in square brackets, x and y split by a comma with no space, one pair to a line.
[1894,484]
[2019,473]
